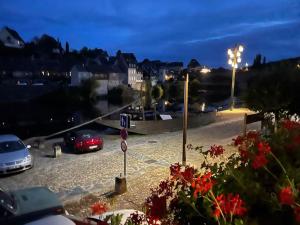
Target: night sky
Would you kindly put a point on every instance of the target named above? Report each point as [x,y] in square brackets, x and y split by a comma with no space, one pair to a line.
[168,30]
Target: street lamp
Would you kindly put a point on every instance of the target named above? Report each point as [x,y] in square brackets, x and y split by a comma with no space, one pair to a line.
[234,59]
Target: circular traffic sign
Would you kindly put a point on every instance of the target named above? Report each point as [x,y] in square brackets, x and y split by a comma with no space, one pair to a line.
[124,134]
[124,146]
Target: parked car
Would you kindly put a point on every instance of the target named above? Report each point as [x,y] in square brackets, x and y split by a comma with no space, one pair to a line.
[14,155]
[84,141]
[52,220]
[26,205]
[124,212]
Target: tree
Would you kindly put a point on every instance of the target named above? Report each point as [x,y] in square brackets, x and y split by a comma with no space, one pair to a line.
[88,90]
[273,91]
[194,88]
[67,48]
[257,61]
[193,63]
[157,92]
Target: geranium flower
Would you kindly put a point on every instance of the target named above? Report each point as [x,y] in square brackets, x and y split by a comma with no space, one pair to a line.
[290,125]
[286,196]
[297,213]
[263,147]
[184,176]
[216,150]
[98,208]
[238,140]
[202,184]
[229,205]
[259,161]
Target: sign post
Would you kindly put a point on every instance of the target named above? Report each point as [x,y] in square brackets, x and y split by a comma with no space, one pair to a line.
[124,149]
[120,185]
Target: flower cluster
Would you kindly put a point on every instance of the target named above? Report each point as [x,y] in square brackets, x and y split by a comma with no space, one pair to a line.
[253,148]
[181,174]
[290,125]
[202,184]
[232,194]
[98,208]
[286,196]
[216,150]
[230,205]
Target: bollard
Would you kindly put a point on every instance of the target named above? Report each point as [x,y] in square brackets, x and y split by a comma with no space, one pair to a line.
[56,150]
[120,185]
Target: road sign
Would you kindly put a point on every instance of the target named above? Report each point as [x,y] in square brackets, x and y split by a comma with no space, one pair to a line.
[124,145]
[125,120]
[124,134]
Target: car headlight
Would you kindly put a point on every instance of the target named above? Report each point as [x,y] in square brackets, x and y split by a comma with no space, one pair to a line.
[27,158]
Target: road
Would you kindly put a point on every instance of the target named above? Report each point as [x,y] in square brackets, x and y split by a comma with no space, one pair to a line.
[76,174]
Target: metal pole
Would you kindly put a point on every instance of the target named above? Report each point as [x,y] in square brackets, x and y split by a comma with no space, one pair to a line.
[125,164]
[185,114]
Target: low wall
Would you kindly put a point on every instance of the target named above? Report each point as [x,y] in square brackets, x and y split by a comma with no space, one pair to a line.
[162,126]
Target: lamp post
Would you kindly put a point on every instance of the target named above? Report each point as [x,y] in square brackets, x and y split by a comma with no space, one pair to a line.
[185,118]
[234,59]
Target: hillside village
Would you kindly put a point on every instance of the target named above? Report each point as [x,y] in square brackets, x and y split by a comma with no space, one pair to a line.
[44,60]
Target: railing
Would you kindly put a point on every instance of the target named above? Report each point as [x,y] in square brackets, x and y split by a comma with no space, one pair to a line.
[90,121]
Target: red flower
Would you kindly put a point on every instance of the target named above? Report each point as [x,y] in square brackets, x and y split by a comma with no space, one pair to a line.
[286,196]
[185,176]
[156,207]
[202,184]
[296,140]
[99,208]
[216,150]
[188,174]
[297,213]
[252,136]
[175,169]
[259,161]
[290,125]
[230,205]
[238,140]
[263,147]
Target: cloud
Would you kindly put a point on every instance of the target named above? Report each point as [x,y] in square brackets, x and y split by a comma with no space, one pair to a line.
[162,29]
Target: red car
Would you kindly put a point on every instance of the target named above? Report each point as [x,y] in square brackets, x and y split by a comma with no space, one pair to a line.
[84,141]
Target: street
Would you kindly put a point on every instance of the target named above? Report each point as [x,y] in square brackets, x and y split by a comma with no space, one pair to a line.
[73,175]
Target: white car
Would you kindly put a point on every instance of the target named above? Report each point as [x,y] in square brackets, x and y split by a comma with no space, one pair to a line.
[52,220]
[124,212]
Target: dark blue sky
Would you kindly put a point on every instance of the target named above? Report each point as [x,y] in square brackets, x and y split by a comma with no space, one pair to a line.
[166,29]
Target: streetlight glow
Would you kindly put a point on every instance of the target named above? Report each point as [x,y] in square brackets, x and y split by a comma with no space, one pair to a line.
[241,48]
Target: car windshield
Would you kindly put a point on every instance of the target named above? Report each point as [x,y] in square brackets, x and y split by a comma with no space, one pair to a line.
[10,146]
[7,201]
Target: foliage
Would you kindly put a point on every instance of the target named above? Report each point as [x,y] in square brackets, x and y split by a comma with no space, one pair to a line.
[157,92]
[147,100]
[194,88]
[88,90]
[72,96]
[115,94]
[273,90]
[258,185]
[175,90]
[193,63]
